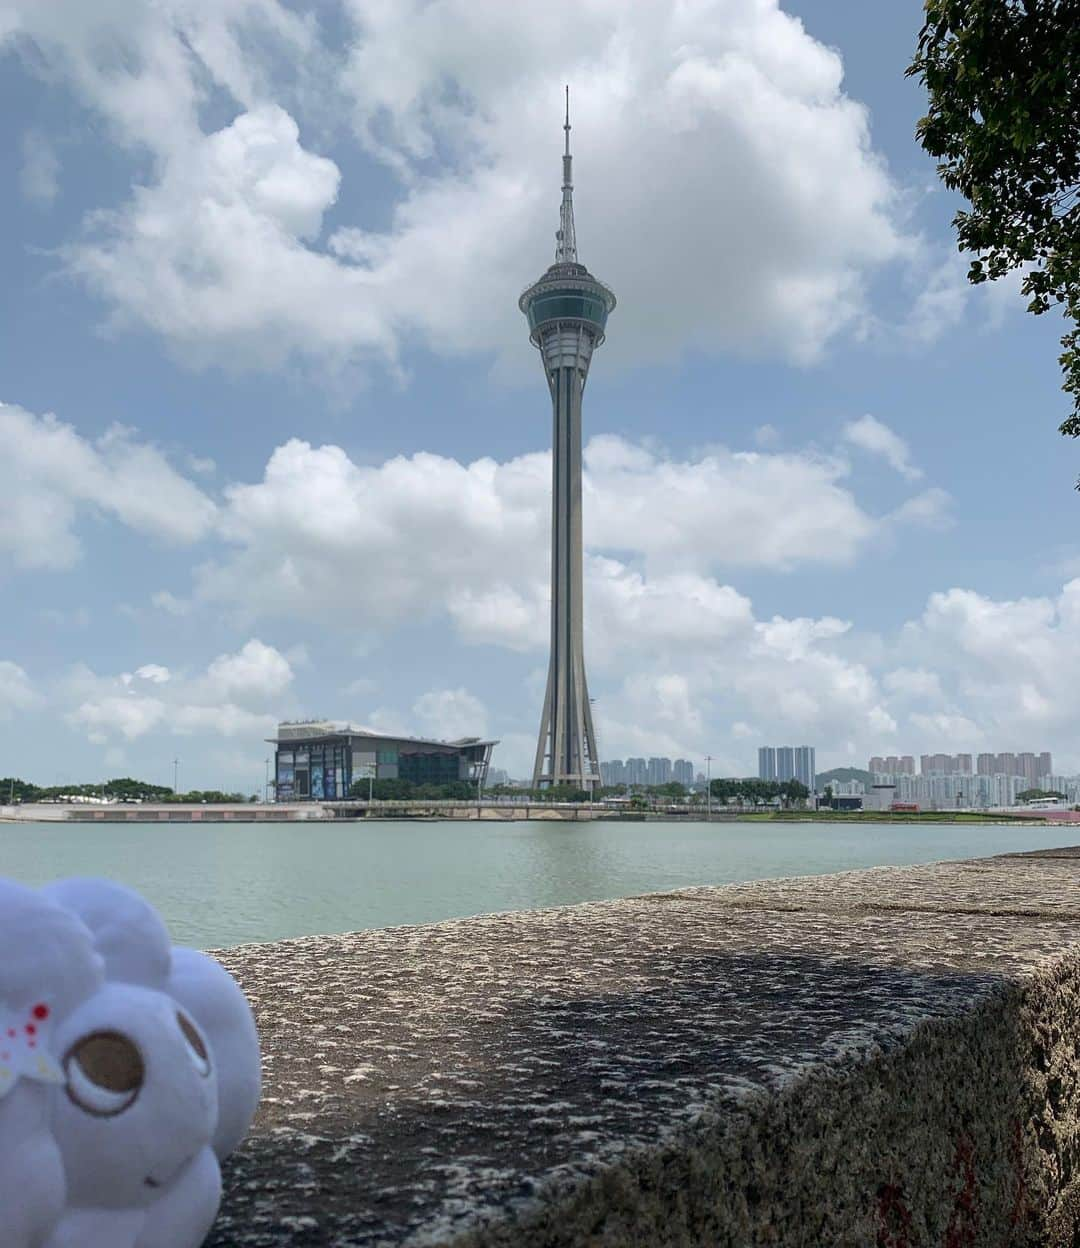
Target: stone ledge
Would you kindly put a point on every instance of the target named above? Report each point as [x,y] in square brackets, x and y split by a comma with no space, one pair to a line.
[884,1057]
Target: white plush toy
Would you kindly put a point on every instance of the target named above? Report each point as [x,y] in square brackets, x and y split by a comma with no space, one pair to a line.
[144,1071]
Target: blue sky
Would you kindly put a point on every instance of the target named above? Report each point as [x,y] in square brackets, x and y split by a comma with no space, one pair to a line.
[277,441]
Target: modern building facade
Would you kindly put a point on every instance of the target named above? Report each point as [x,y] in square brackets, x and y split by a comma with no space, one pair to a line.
[318,760]
[567,310]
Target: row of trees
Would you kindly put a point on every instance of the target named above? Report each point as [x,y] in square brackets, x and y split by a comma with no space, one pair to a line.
[1030,795]
[750,791]
[121,789]
[406,790]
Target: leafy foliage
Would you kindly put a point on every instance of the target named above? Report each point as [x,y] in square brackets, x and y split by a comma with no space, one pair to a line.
[123,789]
[398,790]
[750,791]
[1029,795]
[1003,78]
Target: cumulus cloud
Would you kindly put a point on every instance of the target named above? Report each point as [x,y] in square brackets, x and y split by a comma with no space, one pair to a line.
[17,693]
[448,714]
[773,206]
[471,539]
[54,474]
[236,696]
[1009,670]
[257,670]
[876,438]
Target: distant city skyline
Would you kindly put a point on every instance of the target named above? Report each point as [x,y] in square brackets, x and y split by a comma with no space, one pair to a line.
[654,770]
[1031,766]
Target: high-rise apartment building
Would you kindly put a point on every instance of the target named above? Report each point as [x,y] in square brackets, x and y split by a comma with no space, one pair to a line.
[683,771]
[1032,767]
[938,764]
[659,770]
[1025,767]
[947,764]
[637,771]
[805,766]
[892,765]
[788,762]
[613,772]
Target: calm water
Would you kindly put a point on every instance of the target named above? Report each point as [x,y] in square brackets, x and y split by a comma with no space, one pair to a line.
[218,886]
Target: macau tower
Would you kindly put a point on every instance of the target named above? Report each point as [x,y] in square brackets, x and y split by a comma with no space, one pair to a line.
[567,310]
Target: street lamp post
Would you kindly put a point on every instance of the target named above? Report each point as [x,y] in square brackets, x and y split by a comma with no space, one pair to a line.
[708,788]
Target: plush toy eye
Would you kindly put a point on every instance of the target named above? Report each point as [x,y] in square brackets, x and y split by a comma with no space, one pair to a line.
[104,1073]
[196,1044]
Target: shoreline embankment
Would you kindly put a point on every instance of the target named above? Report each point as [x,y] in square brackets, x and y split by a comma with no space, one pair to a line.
[351,810]
[886,1056]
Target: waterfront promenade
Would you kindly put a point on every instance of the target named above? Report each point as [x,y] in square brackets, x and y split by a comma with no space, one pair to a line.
[886,1056]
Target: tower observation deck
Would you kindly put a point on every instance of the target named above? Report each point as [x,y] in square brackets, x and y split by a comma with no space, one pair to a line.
[567,310]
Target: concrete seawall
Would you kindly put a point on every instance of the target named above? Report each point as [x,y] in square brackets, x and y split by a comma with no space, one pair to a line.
[887,1057]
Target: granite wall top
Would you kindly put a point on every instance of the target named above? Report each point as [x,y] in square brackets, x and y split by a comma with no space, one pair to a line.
[424,1082]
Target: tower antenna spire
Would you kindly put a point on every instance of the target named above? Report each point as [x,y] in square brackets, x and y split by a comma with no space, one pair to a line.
[566,238]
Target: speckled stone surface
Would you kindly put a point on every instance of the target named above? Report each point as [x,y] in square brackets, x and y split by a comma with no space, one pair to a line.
[886,1057]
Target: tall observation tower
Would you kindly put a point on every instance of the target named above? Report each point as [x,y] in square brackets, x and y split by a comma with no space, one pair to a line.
[567,311]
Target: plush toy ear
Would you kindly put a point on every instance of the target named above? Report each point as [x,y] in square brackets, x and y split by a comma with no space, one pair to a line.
[128,932]
[46,952]
[215,1001]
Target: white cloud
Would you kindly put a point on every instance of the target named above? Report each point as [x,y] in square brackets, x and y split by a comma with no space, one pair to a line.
[110,715]
[257,670]
[170,603]
[17,693]
[471,539]
[449,714]
[153,672]
[237,696]
[876,438]
[54,474]
[771,210]
[929,509]
[39,174]
[942,303]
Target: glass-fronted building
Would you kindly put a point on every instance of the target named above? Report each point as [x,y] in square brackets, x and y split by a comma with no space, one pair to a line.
[319,760]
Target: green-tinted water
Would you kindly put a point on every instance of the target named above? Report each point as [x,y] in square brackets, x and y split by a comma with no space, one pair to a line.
[223,885]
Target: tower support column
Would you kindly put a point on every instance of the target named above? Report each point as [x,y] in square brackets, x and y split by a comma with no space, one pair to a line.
[566,751]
